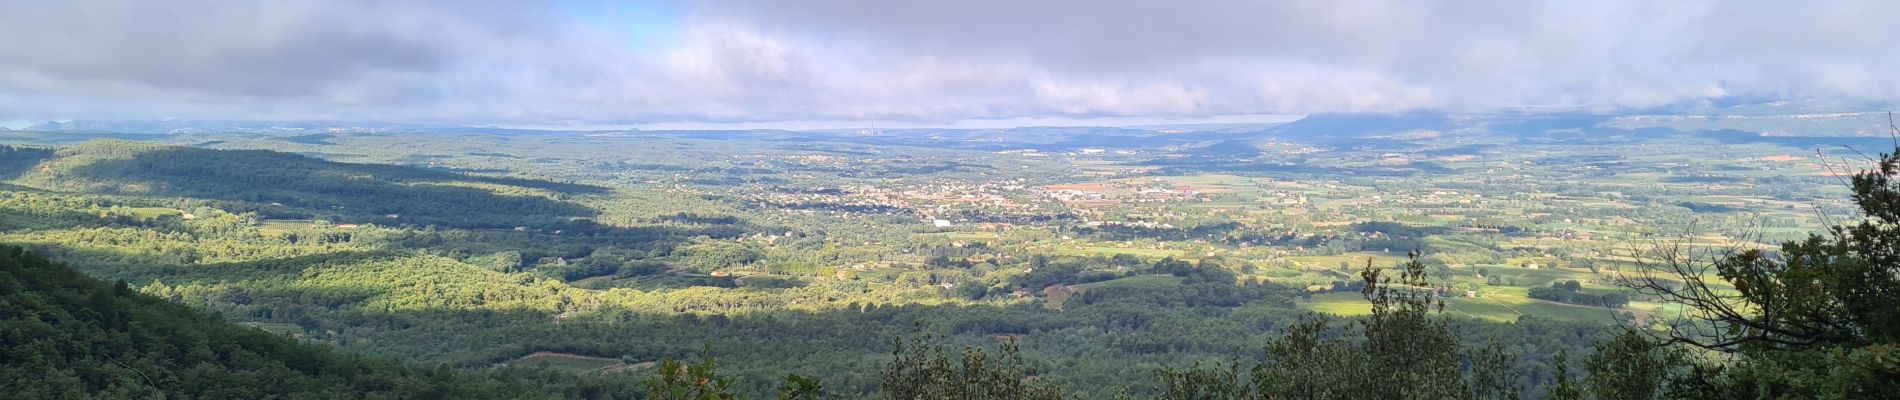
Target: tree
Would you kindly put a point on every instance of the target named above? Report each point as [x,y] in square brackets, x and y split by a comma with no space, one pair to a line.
[1405,351]
[800,388]
[1629,367]
[675,380]
[1301,363]
[69,335]
[1562,387]
[1817,316]
[1415,354]
[1223,381]
[921,369]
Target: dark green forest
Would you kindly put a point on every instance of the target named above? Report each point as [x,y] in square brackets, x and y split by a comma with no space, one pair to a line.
[69,336]
[280,185]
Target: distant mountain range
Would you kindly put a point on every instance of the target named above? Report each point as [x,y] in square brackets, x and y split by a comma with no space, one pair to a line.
[176,126]
[1321,128]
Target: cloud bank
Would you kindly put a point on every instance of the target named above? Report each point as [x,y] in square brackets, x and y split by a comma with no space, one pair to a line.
[587,62]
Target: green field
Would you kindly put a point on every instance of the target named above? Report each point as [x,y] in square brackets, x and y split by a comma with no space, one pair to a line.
[277,227]
[1109,251]
[150,213]
[964,235]
[1354,261]
[1143,280]
[276,328]
[286,224]
[1339,303]
[564,362]
[1499,307]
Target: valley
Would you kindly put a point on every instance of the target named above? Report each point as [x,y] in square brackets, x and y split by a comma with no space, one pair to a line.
[1105,255]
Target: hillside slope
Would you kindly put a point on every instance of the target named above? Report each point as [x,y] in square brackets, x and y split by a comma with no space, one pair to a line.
[285,185]
[65,335]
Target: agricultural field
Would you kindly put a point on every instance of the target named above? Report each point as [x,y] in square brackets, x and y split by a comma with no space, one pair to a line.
[1141,280]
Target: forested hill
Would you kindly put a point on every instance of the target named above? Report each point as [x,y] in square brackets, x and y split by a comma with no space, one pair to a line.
[285,185]
[65,335]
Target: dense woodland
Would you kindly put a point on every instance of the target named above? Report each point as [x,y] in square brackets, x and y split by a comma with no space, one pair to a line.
[275,185]
[71,336]
[675,284]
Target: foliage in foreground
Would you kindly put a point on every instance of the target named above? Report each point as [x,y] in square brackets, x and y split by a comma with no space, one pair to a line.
[67,335]
[1815,319]
[1401,351]
[922,369]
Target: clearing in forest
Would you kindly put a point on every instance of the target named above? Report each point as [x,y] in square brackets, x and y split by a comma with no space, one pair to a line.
[573,363]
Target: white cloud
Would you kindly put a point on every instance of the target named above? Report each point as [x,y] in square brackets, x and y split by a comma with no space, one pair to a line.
[925,61]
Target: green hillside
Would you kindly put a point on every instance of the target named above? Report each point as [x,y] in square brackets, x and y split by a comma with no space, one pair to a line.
[68,336]
[285,185]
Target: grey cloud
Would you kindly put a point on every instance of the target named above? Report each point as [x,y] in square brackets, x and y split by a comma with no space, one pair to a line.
[1467,54]
[270,50]
[929,60]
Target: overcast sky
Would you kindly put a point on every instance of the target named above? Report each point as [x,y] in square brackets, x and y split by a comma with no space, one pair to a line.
[925,62]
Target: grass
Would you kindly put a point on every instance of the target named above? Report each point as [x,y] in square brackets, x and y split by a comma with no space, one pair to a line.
[1281,273]
[770,281]
[593,280]
[1526,277]
[572,363]
[1498,306]
[1298,278]
[1355,261]
[284,224]
[1513,306]
[278,227]
[1139,252]
[150,213]
[274,328]
[960,235]
[1140,280]
[643,283]
[1343,304]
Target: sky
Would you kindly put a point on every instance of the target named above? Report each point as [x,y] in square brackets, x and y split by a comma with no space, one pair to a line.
[816,63]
